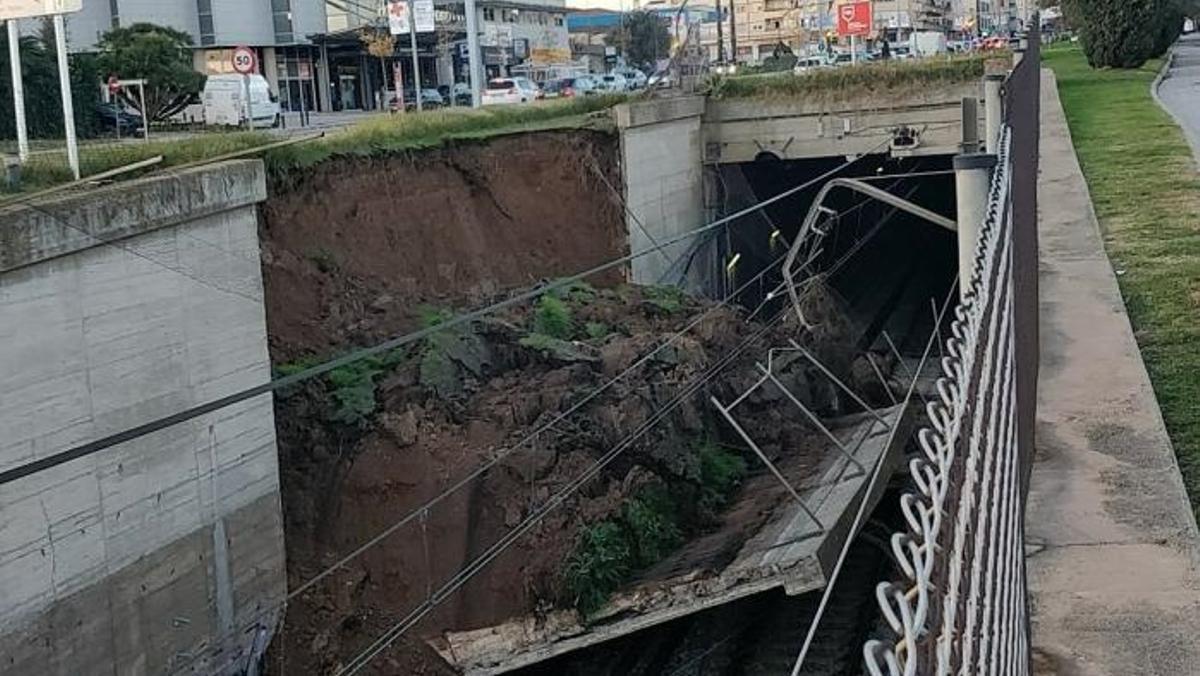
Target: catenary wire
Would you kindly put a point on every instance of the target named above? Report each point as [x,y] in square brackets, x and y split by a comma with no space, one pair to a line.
[511,448]
[138,431]
[860,514]
[477,564]
[558,499]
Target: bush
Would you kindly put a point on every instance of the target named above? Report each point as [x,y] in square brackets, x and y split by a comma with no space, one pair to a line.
[552,318]
[652,522]
[721,472]
[599,564]
[1125,33]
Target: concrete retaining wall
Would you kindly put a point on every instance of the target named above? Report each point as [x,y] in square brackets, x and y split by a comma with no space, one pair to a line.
[661,159]
[119,306]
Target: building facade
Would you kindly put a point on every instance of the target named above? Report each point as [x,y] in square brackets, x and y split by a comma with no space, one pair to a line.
[278,30]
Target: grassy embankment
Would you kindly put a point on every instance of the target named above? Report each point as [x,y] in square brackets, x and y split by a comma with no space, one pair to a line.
[865,80]
[378,134]
[1146,190]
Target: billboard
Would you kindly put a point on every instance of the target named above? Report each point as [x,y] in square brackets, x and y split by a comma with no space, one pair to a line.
[21,9]
[854,18]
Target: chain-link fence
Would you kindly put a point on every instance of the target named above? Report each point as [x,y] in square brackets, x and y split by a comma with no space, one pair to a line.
[961,605]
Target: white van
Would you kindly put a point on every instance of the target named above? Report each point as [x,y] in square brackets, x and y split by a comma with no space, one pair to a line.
[224,101]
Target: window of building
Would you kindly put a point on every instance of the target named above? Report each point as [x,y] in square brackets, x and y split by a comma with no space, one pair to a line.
[281,15]
[207,32]
[510,16]
[489,14]
[558,20]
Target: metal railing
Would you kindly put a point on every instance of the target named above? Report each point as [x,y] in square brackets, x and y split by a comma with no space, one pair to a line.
[961,607]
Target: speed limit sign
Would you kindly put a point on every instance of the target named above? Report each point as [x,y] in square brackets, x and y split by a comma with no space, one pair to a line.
[244,60]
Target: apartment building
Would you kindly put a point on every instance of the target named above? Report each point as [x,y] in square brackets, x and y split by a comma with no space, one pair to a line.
[763,25]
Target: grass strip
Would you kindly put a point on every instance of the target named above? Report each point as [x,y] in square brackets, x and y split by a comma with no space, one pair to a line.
[1146,190]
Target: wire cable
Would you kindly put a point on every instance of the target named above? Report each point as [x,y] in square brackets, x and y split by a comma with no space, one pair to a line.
[558,499]
[510,449]
[860,514]
[91,447]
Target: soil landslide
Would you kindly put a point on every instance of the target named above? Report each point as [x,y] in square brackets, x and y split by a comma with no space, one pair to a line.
[353,245]
[359,249]
[356,458]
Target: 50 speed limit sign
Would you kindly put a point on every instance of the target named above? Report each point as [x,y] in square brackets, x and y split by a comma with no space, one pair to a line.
[244,60]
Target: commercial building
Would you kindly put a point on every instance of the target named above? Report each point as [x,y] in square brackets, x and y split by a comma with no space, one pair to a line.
[527,37]
[762,26]
[276,29]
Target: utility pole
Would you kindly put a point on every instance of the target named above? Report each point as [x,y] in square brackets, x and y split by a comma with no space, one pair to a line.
[474,61]
[14,60]
[733,32]
[720,34]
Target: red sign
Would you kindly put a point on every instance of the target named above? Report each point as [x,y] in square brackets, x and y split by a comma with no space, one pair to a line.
[854,18]
[244,60]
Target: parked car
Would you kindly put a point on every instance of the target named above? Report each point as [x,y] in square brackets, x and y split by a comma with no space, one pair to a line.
[430,99]
[568,87]
[809,63]
[458,94]
[116,120]
[503,90]
[659,80]
[612,83]
[635,79]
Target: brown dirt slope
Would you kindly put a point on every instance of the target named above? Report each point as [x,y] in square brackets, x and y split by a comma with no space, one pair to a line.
[366,236]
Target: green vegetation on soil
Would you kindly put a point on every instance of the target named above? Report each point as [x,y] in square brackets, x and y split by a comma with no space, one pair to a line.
[649,527]
[1146,190]
[866,80]
[378,135]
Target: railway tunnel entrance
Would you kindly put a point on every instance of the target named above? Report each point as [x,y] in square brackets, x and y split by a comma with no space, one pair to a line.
[892,272]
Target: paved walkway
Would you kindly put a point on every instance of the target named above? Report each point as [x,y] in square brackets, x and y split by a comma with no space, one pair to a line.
[1180,88]
[1112,544]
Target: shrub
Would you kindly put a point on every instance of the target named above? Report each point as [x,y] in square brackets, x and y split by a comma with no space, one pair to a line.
[552,318]
[596,330]
[598,565]
[1124,33]
[721,472]
[652,522]
[668,299]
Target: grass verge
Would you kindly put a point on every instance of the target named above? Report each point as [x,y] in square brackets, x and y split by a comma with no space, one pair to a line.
[869,80]
[375,136]
[1146,190]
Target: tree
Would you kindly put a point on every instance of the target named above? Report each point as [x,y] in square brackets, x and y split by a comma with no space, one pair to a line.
[159,55]
[642,37]
[43,103]
[382,45]
[1125,33]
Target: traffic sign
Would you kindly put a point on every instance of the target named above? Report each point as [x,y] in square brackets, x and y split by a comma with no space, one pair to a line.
[854,19]
[245,61]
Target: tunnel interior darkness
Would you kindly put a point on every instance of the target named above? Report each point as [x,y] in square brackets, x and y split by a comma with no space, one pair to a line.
[886,264]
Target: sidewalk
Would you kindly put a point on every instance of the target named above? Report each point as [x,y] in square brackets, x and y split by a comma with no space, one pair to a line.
[1111,540]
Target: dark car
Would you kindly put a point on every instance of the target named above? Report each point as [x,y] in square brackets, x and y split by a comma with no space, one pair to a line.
[114,119]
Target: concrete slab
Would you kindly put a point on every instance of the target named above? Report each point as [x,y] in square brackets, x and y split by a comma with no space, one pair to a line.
[785,552]
[1111,539]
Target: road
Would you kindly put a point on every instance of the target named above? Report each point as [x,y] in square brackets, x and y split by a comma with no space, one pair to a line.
[1179,92]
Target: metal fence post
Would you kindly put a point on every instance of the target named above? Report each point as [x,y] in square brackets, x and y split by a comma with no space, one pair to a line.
[972,178]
